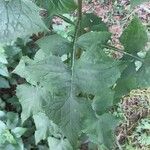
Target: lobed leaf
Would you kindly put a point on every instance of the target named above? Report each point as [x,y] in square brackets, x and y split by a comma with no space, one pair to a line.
[44,127]
[100,130]
[49,72]
[33,100]
[88,74]
[134,37]
[52,74]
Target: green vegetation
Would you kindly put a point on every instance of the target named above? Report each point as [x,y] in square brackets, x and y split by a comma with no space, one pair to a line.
[59,86]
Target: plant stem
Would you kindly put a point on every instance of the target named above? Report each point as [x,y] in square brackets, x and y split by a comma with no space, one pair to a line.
[65,19]
[77,29]
[123,52]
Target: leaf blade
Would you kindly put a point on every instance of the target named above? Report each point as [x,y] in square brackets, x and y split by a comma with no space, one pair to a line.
[134,37]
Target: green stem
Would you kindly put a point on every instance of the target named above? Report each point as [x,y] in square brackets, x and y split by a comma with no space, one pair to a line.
[123,52]
[65,19]
[77,29]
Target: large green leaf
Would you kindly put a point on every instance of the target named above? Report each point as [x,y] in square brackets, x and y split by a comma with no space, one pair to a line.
[17,19]
[55,44]
[100,130]
[57,6]
[95,71]
[57,144]
[33,100]
[137,2]
[134,37]
[53,74]
[88,74]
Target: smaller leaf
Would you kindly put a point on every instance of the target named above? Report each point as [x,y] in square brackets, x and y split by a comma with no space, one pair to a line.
[126,82]
[103,101]
[32,100]
[4,83]
[134,37]
[101,130]
[18,131]
[50,72]
[44,127]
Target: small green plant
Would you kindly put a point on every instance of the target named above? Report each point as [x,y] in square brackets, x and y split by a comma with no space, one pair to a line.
[72,83]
